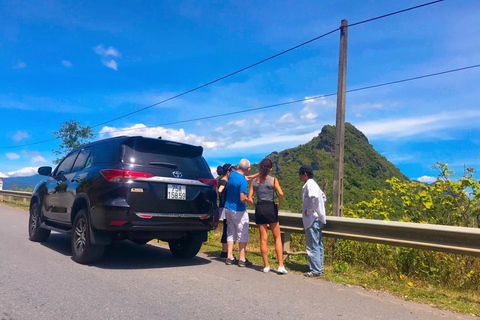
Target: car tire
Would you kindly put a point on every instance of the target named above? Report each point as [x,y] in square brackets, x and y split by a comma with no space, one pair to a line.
[184,247]
[83,251]
[35,231]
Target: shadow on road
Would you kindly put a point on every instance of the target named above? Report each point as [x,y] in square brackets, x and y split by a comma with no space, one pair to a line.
[215,255]
[127,255]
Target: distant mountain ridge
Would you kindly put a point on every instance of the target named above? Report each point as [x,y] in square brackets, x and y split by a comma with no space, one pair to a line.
[21,182]
[365,169]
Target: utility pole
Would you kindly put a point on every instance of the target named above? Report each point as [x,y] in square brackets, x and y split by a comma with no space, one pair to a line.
[340,124]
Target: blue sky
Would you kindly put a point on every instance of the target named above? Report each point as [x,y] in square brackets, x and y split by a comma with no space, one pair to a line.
[94,61]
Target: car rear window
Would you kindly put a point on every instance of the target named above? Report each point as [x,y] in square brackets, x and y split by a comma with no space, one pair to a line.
[106,152]
[161,153]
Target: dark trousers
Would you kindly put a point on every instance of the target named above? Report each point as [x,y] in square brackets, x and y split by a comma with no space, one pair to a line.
[224,233]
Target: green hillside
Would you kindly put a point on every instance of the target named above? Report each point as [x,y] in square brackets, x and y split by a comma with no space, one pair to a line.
[365,168]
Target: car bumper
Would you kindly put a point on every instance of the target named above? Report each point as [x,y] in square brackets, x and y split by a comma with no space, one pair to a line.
[123,219]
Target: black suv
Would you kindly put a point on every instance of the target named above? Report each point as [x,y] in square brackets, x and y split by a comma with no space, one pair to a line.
[132,188]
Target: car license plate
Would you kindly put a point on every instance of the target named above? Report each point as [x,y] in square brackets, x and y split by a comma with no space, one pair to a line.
[176,192]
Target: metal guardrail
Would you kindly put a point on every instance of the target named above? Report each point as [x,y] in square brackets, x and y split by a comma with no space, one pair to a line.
[458,240]
[10,194]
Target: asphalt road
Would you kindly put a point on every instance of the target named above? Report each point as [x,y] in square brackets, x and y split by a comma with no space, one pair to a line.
[41,281]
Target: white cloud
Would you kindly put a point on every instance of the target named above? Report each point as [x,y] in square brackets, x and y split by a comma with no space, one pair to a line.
[34,155]
[112,64]
[427,179]
[273,138]
[237,123]
[24,172]
[20,65]
[320,102]
[20,135]
[287,118]
[38,158]
[106,52]
[167,134]
[12,156]
[389,128]
[312,108]
[3,175]
[309,116]
[66,63]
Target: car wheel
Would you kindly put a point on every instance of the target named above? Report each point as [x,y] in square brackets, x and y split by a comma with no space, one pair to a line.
[35,232]
[184,247]
[83,251]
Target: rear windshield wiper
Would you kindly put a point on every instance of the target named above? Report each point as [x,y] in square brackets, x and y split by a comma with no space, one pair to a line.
[163,164]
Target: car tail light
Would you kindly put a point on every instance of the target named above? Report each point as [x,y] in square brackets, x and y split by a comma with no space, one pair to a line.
[204,217]
[212,182]
[116,175]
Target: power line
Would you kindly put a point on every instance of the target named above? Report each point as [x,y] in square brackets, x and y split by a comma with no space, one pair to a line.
[394,13]
[228,113]
[262,61]
[274,105]
[29,144]
[300,100]
[415,78]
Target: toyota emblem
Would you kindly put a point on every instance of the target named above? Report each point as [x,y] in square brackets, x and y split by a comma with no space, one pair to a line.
[177,174]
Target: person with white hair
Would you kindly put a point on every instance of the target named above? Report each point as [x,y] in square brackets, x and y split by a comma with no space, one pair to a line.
[236,213]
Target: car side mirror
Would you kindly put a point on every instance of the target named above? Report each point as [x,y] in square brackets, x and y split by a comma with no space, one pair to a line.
[45,171]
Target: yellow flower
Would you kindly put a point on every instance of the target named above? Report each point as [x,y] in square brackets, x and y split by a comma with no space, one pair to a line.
[402,276]
[410,283]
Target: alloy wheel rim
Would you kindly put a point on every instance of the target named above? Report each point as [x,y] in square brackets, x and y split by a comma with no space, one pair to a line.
[80,235]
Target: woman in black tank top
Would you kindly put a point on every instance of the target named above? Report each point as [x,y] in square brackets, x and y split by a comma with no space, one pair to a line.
[266,211]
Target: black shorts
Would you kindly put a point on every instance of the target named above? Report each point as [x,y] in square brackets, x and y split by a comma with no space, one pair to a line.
[266,212]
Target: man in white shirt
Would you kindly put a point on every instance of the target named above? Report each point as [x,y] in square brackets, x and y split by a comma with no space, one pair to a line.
[314,218]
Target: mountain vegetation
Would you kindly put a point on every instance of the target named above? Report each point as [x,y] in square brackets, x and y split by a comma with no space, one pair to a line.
[365,169]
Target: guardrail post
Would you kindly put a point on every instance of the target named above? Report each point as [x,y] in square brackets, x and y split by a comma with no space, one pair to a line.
[286,243]
[9,198]
[25,201]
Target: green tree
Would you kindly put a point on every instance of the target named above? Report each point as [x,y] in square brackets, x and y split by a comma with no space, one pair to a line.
[73,135]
